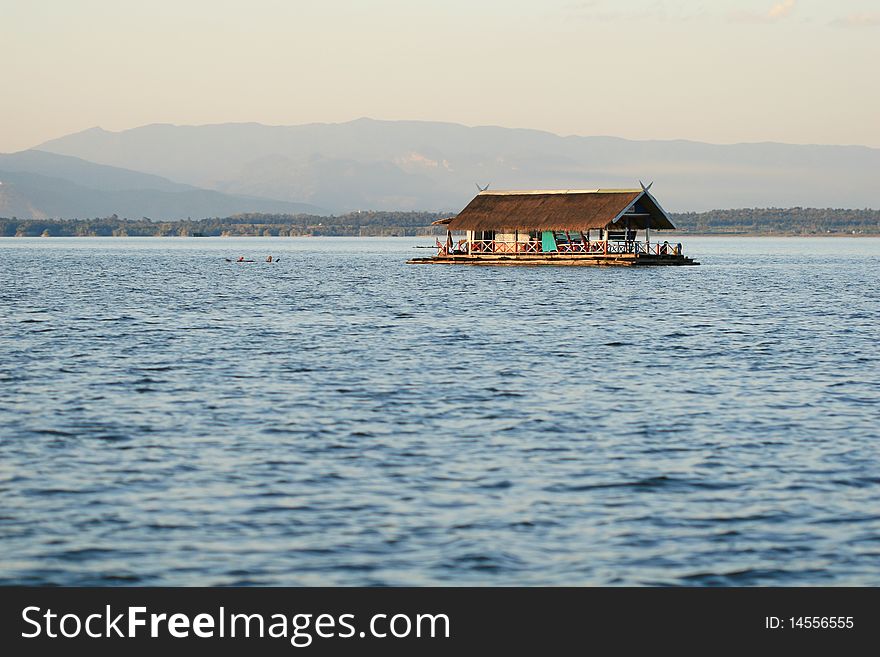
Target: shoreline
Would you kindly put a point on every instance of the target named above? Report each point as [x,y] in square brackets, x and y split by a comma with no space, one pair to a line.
[666,236]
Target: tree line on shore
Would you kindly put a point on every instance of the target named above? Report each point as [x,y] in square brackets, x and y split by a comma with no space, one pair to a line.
[780,221]
[784,221]
[248,225]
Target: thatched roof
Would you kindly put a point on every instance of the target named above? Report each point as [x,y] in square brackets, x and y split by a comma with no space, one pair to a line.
[562,209]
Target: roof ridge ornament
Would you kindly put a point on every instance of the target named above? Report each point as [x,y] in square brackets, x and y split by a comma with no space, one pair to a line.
[645,189]
[482,189]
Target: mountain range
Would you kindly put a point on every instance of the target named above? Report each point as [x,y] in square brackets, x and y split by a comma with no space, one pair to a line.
[38,185]
[170,171]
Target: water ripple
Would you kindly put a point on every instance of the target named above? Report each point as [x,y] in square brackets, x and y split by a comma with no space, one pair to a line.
[343,418]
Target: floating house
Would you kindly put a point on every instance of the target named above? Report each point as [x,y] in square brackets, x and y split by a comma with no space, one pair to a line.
[559,227]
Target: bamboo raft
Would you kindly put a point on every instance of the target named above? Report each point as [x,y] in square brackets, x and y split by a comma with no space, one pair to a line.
[587,260]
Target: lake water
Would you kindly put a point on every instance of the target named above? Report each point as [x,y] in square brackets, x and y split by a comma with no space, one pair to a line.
[342,418]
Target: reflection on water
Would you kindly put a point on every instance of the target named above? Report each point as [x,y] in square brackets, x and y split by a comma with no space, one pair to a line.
[340,417]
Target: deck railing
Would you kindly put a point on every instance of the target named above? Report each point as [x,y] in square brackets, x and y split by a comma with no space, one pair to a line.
[597,247]
[658,248]
[495,246]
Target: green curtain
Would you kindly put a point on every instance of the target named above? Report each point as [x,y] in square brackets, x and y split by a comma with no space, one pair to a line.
[548,241]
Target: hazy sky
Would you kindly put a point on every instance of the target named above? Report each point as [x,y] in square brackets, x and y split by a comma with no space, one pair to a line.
[802,71]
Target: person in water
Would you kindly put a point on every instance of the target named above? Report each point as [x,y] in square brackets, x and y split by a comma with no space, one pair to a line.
[269,259]
[241,258]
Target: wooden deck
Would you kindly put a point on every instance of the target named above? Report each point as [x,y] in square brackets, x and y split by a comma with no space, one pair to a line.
[560,260]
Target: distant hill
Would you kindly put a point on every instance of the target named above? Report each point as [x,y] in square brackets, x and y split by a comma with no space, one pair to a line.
[38,185]
[416,165]
[86,174]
